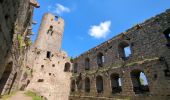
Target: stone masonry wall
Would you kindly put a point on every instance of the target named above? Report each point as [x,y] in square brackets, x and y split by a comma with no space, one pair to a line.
[50,33]
[16,17]
[150,54]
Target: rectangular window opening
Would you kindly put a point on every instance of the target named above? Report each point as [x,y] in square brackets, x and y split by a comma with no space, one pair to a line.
[48,54]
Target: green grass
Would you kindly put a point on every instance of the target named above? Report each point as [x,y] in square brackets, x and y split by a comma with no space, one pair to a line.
[33,95]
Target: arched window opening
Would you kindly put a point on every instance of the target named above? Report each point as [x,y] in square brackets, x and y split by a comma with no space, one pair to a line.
[75,67]
[167,36]
[12,84]
[115,83]
[79,82]
[87,85]
[100,59]
[99,84]
[5,76]
[73,86]
[87,64]
[140,83]
[67,67]
[124,50]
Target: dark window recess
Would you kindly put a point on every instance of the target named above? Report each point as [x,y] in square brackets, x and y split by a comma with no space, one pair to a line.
[49,74]
[110,47]
[6,17]
[38,52]
[99,84]
[53,65]
[167,73]
[40,80]
[50,30]
[115,83]
[42,66]
[67,67]
[155,76]
[167,70]
[162,59]
[87,85]
[48,54]
[1,1]
[167,36]
[100,59]
[139,81]
[167,33]
[87,64]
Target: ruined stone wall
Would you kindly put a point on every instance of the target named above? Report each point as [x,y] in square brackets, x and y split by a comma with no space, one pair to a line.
[150,53]
[16,17]
[51,66]
[50,79]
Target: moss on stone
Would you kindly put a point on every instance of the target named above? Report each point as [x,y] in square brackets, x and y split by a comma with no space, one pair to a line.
[142,61]
[21,42]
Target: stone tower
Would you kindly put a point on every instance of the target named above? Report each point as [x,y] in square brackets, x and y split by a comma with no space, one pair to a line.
[51,66]
[50,33]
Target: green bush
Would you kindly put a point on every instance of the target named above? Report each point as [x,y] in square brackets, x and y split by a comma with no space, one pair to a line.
[33,95]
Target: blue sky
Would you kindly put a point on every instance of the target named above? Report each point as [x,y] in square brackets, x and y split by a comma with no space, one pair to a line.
[91,22]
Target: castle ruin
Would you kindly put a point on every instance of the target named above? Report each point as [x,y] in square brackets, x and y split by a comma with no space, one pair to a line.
[105,72]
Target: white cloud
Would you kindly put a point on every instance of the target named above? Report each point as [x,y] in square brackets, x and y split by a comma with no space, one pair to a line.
[100,31]
[58,9]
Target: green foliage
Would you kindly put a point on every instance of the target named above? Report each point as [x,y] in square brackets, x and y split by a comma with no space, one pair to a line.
[29,42]
[141,81]
[71,59]
[33,95]
[21,42]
